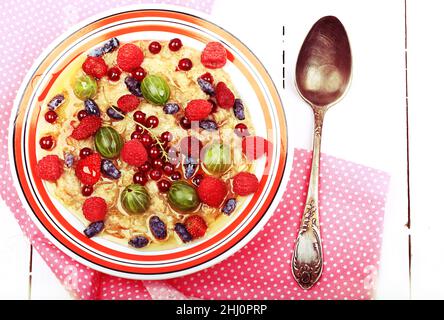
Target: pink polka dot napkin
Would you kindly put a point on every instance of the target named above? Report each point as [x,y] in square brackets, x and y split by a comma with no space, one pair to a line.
[352,198]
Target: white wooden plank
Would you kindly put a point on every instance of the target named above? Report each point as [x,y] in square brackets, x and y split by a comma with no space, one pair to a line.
[425,69]
[15,254]
[369,125]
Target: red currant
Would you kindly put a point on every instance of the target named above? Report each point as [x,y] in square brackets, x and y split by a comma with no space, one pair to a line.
[174,160]
[51,116]
[163,185]
[175,175]
[87,190]
[197,179]
[140,178]
[185,123]
[214,104]
[185,64]
[173,155]
[47,143]
[136,135]
[139,116]
[164,145]
[154,47]
[145,167]
[138,73]
[241,130]
[154,152]
[114,74]
[166,136]
[81,114]
[175,44]
[140,129]
[84,152]
[155,174]
[168,169]
[207,77]
[146,139]
[172,152]
[152,122]
[158,163]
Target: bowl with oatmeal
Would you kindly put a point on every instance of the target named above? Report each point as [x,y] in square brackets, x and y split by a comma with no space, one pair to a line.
[149,144]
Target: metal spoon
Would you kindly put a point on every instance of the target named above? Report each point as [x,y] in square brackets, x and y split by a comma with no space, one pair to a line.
[323,73]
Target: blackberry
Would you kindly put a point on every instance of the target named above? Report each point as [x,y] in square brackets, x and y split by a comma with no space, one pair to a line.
[138,242]
[238,109]
[91,107]
[208,125]
[56,102]
[109,169]
[107,47]
[229,206]
[182,232]
[171,108]
[206,86]
[158,228]
[94,229]
[113,114]
[69,159]
[110,45]
[133,86]
[190,166]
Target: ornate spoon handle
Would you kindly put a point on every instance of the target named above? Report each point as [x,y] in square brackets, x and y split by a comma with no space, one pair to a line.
[307,259]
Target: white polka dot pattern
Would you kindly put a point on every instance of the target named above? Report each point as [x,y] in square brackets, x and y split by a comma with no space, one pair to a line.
[352,198]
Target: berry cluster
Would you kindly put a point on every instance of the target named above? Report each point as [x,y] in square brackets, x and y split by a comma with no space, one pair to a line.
[182,174]
[153,156]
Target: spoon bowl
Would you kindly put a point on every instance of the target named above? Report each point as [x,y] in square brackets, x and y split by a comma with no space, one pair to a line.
[323,73]
[323,68]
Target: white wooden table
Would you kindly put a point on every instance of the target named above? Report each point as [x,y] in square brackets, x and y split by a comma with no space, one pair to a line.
[370,126]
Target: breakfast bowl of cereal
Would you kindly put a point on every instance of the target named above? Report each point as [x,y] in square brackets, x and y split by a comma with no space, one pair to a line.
[148,143]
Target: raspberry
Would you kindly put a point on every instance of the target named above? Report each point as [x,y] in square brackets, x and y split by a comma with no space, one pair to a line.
[212,191]
[245,183]
[94,209]
[197,110]
[128,102]
[95,67]
[255,147]
[87,127]
[50,168]
[134,153]
[196,226]
[224,96]
[129,57]
[88,169]
[214,55]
